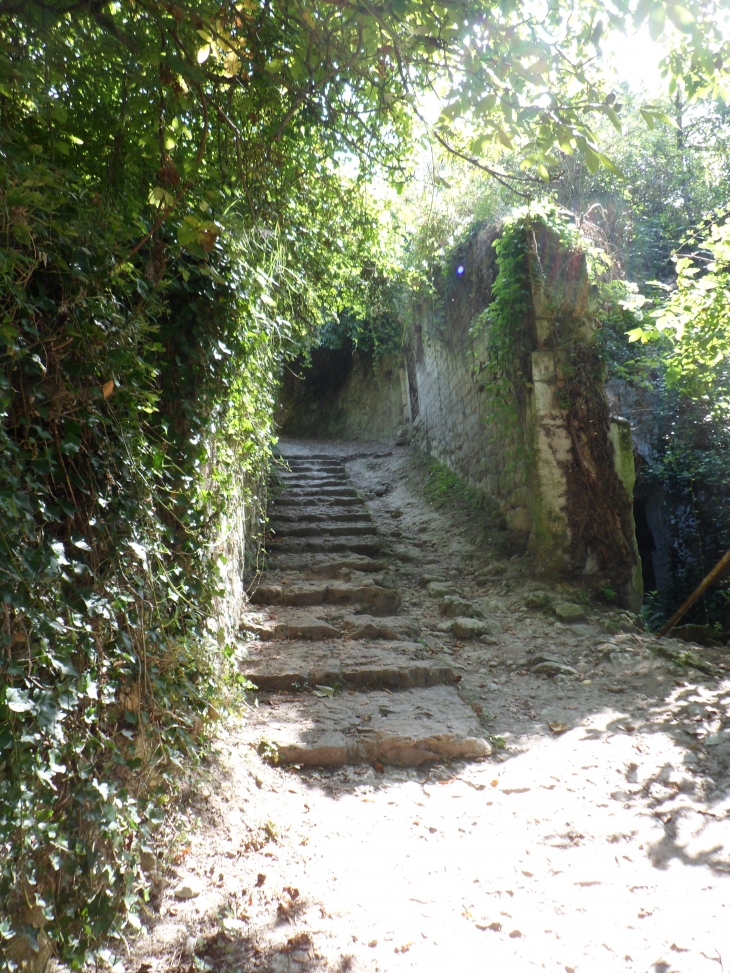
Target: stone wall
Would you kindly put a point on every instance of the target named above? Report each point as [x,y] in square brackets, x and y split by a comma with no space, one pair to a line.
[344,397]
[559,470]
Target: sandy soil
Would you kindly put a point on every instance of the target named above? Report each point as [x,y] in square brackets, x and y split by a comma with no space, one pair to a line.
[595,838]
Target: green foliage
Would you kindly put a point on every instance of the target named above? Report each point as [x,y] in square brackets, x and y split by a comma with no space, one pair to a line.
[369,323]
[507,319]
[117,397]
[145,307]
[672,175]
[442,486]
[695,317]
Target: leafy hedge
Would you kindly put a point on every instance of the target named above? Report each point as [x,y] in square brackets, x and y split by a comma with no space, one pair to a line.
[116,390]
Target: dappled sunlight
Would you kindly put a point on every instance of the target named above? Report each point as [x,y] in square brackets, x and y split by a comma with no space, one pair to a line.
[596,850]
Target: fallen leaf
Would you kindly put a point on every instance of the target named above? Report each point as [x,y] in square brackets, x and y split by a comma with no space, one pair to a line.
[558,728]
[108,388]
[323,691]
[291,892]
[373,943]
[285,910]
[302,940]
[515,934]
[404,948]
[493,927]
[379,768]
[260,879]
[494,783]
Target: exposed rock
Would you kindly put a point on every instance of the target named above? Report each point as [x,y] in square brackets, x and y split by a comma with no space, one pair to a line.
[542,666]
[539,601]
[469,628]
[439,589]
[519,519]
[452,606]
[190,888]
[368,627]
[682,657]
[494,570]
[427,579]
[568,612]
[406,729]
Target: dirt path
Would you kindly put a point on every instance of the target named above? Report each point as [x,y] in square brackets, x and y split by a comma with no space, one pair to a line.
[588,831]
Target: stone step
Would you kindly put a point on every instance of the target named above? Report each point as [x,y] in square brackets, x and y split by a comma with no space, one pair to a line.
[325,566]
[325,469]
[323,457]
[297,665]
[330,568]
[325,529]
[404,729]
[327,545]
[292,623]
[326,491]
[315,483]
[384,627]
[305,476]
[292,502]
[318,516]
[380,601]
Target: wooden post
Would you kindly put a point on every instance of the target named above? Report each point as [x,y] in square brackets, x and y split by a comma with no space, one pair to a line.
[716,571]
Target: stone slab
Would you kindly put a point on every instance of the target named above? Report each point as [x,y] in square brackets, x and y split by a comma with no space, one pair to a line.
[381,601]
[291,625]
[404,729]
[327,545]
[322,503]
[298,477]
[295,665]
[318,515]
[323,491]
[324,566]
[369,627]
[297,529]
[330,567]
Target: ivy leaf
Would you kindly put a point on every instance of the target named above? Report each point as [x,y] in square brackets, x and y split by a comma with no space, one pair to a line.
[18,700]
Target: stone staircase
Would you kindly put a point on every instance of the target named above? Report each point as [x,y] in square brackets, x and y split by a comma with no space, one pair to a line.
[345,677]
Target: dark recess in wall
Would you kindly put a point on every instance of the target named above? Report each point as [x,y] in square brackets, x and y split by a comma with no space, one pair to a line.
[646,544]
[310,387]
